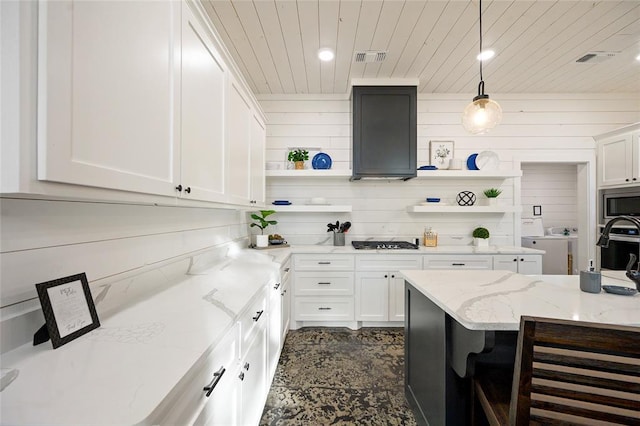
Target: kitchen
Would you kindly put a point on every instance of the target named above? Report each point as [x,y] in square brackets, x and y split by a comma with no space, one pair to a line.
[63,229]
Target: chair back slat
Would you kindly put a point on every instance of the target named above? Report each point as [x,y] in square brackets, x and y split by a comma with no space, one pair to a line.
[573,372]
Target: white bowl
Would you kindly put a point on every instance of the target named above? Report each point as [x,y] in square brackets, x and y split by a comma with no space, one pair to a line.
[318,200]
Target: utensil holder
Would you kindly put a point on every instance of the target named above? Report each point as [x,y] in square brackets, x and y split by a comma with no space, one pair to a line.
[338,239]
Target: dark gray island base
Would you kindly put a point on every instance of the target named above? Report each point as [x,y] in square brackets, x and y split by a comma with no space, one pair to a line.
[441,356]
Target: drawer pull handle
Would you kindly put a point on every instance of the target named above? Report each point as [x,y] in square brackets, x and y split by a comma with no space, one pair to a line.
[287,269]
[277,286]
[241,376]
[324,309]
[324,263]
[216,378]
[457,264]
[246,366]
[258,315]
[325,283]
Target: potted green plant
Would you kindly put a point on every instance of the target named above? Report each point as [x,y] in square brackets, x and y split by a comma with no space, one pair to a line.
[492,195]
[298,156]
[262,222]
[480,237]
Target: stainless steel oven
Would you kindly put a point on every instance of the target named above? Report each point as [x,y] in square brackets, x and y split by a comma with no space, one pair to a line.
[620,202]
[622,241]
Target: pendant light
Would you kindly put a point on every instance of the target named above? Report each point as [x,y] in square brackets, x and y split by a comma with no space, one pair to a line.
[482,114]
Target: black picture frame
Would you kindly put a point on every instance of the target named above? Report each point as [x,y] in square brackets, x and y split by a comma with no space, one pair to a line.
[537,210]
[68,308]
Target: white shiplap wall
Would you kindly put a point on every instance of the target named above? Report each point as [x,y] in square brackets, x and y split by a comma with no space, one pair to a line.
[534,128]
[44,240]
[554,187]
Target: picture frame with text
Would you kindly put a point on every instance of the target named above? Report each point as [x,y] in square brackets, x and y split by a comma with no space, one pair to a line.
[68,308]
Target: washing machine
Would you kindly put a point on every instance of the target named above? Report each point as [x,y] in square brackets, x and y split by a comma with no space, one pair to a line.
[560,250]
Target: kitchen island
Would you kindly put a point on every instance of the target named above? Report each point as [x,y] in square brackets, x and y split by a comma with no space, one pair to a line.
[459,321]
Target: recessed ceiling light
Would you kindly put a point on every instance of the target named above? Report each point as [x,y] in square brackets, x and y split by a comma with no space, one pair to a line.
[638,58]
[486,54]
[325,54]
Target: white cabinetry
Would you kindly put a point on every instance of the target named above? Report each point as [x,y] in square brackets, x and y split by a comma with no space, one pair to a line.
[108,98]
[379,289]
[528,264]
[458,261]
[210,394]
[285,293]
[239,124]
[202,171]
[257,160]
[619,160]
[323,287]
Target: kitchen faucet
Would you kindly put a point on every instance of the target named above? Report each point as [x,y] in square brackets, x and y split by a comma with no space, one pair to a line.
[603,241]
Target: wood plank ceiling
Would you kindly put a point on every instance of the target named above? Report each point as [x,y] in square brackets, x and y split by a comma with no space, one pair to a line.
[537,43]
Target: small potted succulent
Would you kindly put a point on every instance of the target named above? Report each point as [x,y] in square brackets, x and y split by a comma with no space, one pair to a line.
[262,222]
[481,237]
[298,156]
[492,195]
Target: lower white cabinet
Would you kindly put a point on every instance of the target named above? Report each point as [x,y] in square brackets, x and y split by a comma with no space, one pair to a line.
[459,261]
[285,294]
[252,380]
[528,264]
[379,288]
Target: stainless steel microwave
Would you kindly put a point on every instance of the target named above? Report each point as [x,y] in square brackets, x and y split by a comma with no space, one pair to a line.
[620,202]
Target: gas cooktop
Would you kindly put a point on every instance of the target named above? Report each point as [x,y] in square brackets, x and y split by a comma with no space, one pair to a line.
[383,245]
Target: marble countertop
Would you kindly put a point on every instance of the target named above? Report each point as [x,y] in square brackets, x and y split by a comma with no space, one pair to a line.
[348,249]
[495,300]
[155,327]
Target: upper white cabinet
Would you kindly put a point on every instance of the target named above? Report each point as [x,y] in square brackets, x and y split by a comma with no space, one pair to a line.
[108,102]
[619,160]
[202,171]
[130,101]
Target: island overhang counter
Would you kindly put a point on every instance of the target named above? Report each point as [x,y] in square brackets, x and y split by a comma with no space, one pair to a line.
[459,321]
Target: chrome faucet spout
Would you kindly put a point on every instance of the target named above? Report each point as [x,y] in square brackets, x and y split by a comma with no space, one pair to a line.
[603,241]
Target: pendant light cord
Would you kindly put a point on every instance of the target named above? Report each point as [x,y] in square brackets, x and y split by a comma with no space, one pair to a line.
[480,1]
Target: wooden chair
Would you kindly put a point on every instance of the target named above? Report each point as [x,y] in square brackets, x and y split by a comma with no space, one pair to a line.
[566,372]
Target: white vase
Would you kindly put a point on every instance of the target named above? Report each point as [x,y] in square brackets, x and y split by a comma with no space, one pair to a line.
[481,242]
[493,201]
[262,240]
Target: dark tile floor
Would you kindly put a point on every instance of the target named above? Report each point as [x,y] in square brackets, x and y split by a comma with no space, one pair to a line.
[337,376]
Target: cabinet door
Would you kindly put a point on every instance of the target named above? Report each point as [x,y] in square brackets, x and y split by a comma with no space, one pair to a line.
[275,324]
[238,144]
[462,261]
[203,82]
[286,307]
[615,160]
[507,262]
[372,296]
[108,94]
[396,297]
[530,264]
[257,173]
[635,149]
[254,381]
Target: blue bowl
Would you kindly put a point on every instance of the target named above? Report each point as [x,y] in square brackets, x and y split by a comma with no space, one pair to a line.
[433,200]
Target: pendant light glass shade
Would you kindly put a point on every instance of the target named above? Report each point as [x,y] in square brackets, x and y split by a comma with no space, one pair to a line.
[481,115]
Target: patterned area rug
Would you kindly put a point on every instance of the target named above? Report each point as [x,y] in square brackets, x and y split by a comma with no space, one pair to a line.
[337,376]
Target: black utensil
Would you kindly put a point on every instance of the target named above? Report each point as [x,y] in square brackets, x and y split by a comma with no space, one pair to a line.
[345,227]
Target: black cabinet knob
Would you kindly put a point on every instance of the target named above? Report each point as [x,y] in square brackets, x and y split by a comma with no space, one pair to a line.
[187,190]
[179,188]
[515,260]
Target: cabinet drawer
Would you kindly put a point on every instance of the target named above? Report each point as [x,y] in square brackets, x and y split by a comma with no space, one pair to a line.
[324,283]
[388,263]
[324,309]
[252,320]
[470,261]
[193,405]
[323,262]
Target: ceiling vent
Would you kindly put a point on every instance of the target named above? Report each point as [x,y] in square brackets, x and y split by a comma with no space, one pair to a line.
[371,56]
[596,57]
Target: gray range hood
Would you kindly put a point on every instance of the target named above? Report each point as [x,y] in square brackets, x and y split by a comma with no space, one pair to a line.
[384,132]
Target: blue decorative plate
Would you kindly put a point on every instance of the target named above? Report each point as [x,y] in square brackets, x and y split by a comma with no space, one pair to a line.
[471,162]
[427,168]
[321,161]
[433,200]
[281,203]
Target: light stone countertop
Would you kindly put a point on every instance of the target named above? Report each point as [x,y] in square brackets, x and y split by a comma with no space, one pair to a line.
[495,300]
[155,327]
[348,249]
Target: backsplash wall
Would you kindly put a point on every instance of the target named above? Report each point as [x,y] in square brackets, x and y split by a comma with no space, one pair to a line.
[534,127]
[44,240]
